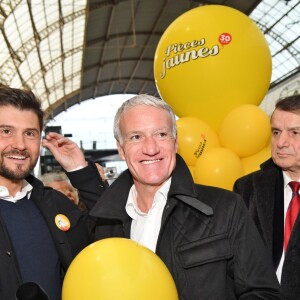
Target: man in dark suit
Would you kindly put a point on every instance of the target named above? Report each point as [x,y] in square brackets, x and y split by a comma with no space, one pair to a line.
[268,195]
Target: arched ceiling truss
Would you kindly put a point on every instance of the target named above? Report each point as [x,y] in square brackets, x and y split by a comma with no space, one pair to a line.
[73,50]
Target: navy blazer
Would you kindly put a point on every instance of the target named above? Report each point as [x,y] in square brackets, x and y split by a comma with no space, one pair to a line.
[68,243]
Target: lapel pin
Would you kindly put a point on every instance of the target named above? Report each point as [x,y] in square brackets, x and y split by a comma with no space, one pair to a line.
[62,222]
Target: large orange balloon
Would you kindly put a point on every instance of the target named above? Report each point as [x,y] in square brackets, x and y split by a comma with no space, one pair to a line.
[218,167]
[195,137]
[115,269]
[210,60]
[245,130]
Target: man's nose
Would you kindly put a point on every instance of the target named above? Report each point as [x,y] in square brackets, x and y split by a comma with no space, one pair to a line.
[150,146]
[18,141]
[283,139]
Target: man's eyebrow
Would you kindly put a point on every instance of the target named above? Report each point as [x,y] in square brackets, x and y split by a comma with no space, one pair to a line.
[289,129]
[32,129]
[274,128]
[294,128]
[4,125]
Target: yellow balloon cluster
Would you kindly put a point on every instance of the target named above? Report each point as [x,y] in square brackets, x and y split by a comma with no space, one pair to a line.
[213,66]
[211,60]
[218,167]
[117,268]
[220,159]
[195,137]
[245,130]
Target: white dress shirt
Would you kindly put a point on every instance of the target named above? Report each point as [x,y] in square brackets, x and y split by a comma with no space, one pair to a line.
[145,227]
[287,199]
[26,190]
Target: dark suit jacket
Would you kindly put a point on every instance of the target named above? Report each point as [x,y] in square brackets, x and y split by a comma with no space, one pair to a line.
[207,239]
[263,194]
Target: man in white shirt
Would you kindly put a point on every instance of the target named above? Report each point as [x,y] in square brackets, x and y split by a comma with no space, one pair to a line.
[204,235]
[268,195]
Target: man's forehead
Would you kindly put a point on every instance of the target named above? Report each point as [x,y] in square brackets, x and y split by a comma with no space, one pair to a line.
[282,115]
[284,119]
[15,118]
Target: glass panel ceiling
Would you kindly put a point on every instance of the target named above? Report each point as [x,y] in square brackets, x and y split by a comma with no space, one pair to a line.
[279,20]
[42,43]
[36,37]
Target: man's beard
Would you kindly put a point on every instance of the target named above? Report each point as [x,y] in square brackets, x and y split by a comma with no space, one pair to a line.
[18,173]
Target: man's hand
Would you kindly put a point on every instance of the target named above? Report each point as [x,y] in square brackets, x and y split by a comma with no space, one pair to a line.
[101,172]
[66,152]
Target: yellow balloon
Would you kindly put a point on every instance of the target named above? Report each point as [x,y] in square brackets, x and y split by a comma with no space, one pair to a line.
[218,167]
[194,138]
[245,130]
[252,163]
[117,268]
[210,60]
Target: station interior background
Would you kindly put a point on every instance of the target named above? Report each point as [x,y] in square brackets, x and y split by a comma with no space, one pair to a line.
[84,58]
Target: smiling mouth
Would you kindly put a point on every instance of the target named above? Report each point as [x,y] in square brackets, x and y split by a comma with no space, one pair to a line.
[149,162]
[15,157]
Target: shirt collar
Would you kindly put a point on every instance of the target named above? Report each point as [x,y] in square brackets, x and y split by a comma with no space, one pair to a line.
[286,179]
[160,195]
[25,191]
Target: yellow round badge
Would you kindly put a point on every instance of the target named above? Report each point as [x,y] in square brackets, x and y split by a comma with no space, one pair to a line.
[62,222]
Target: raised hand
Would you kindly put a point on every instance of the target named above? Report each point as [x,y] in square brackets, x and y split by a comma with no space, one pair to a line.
[65,151]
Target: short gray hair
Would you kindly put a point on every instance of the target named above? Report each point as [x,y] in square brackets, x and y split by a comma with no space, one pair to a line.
[143,99]
[48,178]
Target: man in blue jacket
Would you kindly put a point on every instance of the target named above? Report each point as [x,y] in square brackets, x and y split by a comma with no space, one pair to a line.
[41,230]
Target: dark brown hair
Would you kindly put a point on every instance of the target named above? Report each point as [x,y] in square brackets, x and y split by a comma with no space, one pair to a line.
[22,100]
[290,104]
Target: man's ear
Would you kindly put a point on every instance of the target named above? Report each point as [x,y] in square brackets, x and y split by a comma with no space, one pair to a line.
[120,150]
[176,144]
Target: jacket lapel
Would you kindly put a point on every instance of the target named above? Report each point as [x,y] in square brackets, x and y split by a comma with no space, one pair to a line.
[266,184]
[112,203]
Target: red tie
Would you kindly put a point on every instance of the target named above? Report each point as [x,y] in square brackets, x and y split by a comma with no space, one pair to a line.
[292,212]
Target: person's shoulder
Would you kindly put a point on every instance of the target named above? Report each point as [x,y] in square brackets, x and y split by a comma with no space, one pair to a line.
[225,204]
[249,177]
[213,190]
[58,198]
[214,195]
[267,169]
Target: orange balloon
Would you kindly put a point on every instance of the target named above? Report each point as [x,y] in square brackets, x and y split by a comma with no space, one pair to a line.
[219,167]
[195,137]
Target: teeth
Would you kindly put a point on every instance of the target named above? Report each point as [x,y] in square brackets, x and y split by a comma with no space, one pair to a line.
[148,162]
[16,157]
